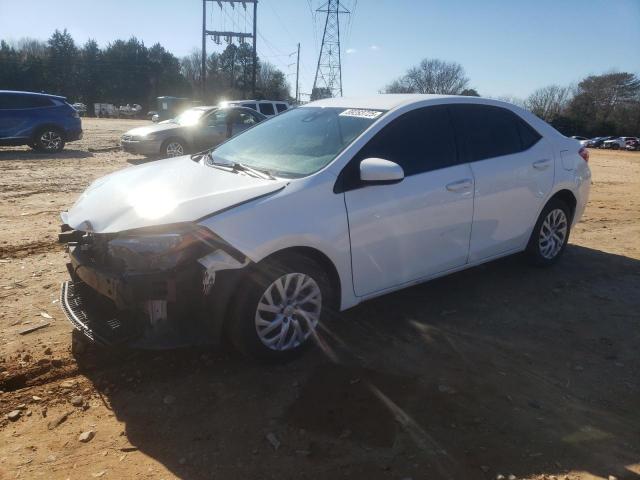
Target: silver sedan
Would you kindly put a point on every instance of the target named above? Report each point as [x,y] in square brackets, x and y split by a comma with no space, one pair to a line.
[194,130]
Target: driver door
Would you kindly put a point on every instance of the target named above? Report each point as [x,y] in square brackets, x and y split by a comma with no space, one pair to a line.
[212,130]
[420,226]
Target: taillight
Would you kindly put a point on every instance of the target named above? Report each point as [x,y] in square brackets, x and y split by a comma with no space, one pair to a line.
[584,153]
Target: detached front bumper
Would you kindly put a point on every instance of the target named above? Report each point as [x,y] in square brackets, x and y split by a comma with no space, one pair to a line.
[151,310]
[182,306]
[98,320]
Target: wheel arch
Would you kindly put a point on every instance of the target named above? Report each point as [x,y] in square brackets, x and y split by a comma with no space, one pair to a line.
[179,138]
[320,258]
[36,130]
[568,197]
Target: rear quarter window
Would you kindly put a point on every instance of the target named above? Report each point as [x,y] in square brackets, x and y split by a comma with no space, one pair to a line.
[281,107]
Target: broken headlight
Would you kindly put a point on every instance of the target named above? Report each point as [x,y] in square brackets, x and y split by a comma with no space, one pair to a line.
[152,250]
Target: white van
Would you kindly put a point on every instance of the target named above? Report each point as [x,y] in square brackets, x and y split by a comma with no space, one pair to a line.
[269,108]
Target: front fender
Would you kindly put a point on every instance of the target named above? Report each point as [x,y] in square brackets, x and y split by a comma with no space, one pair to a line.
[305,214]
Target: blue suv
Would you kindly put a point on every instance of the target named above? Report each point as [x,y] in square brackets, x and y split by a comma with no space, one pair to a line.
[44,122]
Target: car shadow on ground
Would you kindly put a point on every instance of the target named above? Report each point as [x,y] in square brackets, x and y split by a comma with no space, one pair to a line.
[10,154]
[501,369]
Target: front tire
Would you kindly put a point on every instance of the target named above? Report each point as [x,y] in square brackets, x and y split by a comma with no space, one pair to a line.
[173,147]
[550,234]
[280,307]
[48,140]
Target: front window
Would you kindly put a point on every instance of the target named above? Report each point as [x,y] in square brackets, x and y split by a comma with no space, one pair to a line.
[189,117]
[298,142]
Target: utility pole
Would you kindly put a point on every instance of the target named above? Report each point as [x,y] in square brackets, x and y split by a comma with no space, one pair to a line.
[328,79]
[255,55]
[203,73]
[229,36]
[298,76]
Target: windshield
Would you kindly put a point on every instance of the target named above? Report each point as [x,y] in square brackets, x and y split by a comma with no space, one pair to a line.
[189,117]
[299,142]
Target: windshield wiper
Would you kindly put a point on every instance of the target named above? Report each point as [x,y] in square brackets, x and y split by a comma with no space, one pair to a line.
[255,171]
[238,167]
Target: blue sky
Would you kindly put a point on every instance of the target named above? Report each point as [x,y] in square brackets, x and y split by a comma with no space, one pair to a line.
[507,47]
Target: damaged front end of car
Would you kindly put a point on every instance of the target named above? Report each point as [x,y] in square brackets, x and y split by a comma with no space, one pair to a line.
[156,287]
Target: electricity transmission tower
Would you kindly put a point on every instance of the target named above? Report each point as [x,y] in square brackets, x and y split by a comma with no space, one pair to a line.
[328,79]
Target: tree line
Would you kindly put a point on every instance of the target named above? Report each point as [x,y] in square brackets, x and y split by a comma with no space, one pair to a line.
[126,71]
[598,105]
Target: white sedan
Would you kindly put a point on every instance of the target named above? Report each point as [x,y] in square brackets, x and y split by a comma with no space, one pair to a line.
[313,212]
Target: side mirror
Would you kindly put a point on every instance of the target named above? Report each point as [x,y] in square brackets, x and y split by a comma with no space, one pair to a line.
[155,118]
[380,171]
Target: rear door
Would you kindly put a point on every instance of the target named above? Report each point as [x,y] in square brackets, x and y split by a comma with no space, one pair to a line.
[513,170]
[417,227]
[266,108]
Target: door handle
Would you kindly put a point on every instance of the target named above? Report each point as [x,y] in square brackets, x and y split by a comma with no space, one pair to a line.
[542,164]
[460,185]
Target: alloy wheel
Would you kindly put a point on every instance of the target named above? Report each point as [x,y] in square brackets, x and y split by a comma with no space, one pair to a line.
[175,149]
[51,140]
[553,233]
[288,311]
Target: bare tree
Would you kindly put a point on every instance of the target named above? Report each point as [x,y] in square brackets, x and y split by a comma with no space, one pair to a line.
[549,102]
[191,67]
[431,76]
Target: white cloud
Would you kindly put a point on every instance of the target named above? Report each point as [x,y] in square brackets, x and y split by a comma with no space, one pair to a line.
[351,50]
[374,47]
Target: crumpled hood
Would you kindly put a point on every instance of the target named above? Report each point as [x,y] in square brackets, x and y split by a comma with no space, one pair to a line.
[162,192]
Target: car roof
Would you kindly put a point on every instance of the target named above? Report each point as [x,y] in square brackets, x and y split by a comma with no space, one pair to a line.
[389,101]
[59,97]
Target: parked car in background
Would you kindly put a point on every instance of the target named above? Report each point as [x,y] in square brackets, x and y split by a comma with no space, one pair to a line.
[81,108]
[195,129]
[269,108]
[44,122]
[583,140]
[267,236]
[616,143]
[129,110]
[597,142]
[105,110]
[633,144]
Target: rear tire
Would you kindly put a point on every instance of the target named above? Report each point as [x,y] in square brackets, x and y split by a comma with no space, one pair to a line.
[276,327]
[550,234]
[48,140]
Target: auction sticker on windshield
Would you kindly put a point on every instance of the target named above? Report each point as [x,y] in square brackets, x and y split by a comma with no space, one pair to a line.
[361,113]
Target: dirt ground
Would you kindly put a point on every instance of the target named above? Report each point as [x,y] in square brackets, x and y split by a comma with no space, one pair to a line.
[503,369]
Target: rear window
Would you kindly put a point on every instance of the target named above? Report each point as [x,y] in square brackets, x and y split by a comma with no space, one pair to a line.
[281,107]
[17,101]
[267,108]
